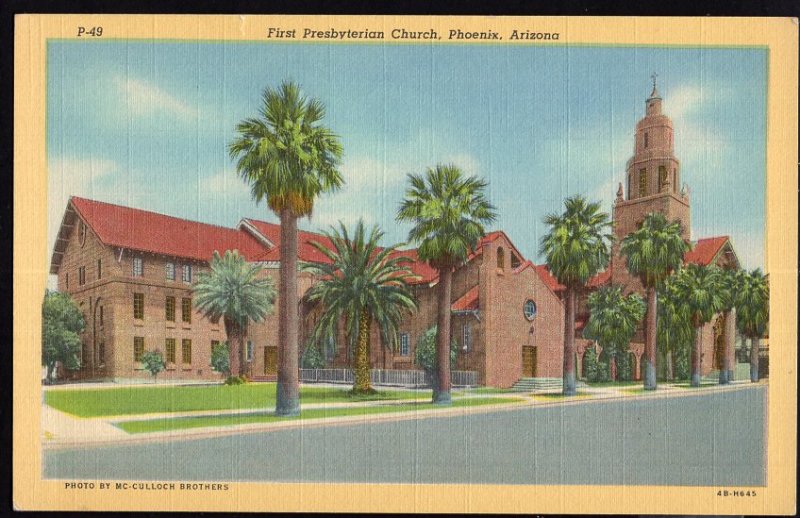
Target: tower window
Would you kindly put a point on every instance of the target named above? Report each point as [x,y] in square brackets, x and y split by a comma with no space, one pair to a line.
[662,177]
[501,258]
[646,140]
[642,182]
[674,179]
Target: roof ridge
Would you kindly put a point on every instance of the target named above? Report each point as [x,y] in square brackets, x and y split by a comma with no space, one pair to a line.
[234,229]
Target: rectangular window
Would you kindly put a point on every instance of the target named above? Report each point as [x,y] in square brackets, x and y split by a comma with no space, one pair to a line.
[186,310]
[138,267]
[186,351]
[214,345]
[187,273]
[99,269]
[662,177]
[466,338]
[101,354]
[403,344]
[642,182]
[249,350]
[169,306]
[81,275]
[138,348]
[646,140]
[169,346]
[169,270]
[138,306]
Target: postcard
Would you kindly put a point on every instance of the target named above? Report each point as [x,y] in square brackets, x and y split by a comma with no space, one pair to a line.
[405,264]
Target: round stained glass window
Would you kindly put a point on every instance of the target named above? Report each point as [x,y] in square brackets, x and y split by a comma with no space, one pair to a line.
[529,309]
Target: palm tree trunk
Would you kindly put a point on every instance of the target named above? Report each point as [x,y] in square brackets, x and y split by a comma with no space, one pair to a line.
[671,365]
[234,358]
[569,386]
[650,340]
[287,401]
[361,383]
[696,351]
[730,336]
[754,359]
[242,359]
[442,394]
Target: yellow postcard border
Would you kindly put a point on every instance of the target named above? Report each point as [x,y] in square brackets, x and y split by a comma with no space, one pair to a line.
[778,35]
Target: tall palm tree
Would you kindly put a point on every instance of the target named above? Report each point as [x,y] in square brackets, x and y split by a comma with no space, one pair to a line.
[232,290]
[288,158]
[731,279]
[613,319]
[362,284]
[752,312]
[701,290]
[448,211]
[674,329]
[653,252]
[576,248]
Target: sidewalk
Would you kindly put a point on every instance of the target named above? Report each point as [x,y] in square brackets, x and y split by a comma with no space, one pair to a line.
[64,430]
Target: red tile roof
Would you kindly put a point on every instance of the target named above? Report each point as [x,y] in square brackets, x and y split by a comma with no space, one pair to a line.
[307,252]
[147,231]
[466,302]
[705,250]
[544,272]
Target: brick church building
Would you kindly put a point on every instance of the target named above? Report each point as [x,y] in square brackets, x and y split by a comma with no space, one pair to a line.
[131,272]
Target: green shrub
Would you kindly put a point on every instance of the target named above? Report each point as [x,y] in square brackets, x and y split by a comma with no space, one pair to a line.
[220,358]
[625,367]
[237,380]
[312,357]
[595,369]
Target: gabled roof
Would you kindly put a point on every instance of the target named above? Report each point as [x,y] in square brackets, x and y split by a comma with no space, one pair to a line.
[146,231]
[466,302]
[307,252]
[705,250]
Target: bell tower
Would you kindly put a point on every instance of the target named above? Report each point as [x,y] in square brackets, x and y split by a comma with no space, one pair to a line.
[652,177]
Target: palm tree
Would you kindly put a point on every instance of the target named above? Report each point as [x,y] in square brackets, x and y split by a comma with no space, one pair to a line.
[701,290]
[449,212]
[653,252]
[613,319]
[674,329]
[731,279]
[752,312]
[232,290]
[289,158]
[576,248]
[362,284]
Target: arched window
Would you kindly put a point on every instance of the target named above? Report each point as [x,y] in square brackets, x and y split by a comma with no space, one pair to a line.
[646,138]
[501,258]
[642,182]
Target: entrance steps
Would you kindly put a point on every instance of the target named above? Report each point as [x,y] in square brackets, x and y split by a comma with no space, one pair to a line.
[540,384]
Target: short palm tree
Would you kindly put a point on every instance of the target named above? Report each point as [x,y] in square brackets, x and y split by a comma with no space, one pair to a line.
[653,252]
[576,248]
[448,211]
[731,279]
[232,290]
[613,319]
[674,329]
[288,158]
[752,312]
[362,284]
[701,290]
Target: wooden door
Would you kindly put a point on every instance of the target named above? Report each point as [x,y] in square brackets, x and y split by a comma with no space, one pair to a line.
[528,361]
[270,361]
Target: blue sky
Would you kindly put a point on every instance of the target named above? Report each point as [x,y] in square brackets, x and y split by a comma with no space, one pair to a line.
[146,124]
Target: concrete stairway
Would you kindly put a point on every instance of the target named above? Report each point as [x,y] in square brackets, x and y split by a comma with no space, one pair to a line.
[540,384]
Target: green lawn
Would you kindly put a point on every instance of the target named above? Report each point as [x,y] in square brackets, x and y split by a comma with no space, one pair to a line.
[702,384]
[489,390]
[165,399]
[179,423]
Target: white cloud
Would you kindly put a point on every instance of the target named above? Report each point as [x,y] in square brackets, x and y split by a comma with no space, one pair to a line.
[145,99]
[224,183]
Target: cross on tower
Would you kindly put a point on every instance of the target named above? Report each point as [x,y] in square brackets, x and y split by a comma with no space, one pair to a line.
[653,77]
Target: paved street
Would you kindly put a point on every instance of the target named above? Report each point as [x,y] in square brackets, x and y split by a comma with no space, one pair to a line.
[715,438]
